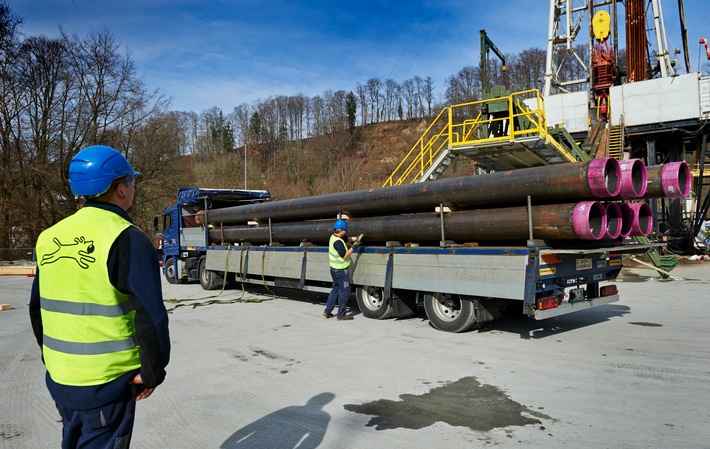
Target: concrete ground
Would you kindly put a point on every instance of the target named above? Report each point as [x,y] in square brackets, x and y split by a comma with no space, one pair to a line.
[276,374]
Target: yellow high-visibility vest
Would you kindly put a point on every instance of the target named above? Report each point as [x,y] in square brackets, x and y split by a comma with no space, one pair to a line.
[336,261]
[89,330]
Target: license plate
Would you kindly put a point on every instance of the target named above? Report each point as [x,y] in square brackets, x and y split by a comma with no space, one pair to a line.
[584,264]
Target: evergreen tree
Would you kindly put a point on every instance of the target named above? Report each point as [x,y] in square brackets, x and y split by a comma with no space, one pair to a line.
[351,110]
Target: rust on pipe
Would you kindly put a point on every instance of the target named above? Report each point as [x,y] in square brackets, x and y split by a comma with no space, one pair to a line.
[598,178]
[672,180]
[584,220]
[642,224]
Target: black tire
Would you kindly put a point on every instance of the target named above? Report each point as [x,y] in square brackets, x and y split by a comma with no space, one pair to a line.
[450,313]
[170,273]
[209,279]
[371,303]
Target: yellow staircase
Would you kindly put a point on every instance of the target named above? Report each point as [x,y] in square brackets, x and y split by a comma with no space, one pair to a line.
[516,136]
[616,141]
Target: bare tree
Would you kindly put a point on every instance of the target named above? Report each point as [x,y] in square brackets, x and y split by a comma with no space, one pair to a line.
[43,65]
[338,111]
[409,95]
[215,134]
[158,155]
[59,96]
[374,85]
[527,69]
[361,92]
[463,87]
[428,93]
[418,89]
[296,116]
[189,127]
[392,96]
[240,122]
[10,113]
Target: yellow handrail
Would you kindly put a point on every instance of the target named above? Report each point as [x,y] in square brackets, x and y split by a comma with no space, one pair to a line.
[458,130]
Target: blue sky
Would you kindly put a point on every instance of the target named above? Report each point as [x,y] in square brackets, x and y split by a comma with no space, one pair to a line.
[227,52]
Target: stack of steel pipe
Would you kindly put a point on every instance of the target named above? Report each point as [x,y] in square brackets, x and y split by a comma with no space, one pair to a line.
[566,205]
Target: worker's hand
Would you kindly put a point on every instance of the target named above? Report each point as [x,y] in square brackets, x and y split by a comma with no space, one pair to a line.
[355,245]
[352,239]
[142,392]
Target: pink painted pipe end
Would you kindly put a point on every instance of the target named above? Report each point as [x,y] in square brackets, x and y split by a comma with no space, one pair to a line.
[614,221]
[676,179]
[589,220]
[643,220]
[604,177]
[633,178]
[627,219]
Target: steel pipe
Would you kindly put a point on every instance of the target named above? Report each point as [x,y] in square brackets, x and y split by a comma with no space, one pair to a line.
[598,178]
[672,180]
[585,220]
[642,223]
[633,179]
[627,219]
[614,221]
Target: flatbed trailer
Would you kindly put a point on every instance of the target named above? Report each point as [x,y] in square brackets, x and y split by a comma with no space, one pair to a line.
[459,287]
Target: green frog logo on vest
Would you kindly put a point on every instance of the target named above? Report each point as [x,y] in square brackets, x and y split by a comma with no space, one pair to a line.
[79,251]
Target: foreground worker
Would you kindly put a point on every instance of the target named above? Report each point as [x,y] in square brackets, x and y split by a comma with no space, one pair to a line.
[97,307]
[339,257]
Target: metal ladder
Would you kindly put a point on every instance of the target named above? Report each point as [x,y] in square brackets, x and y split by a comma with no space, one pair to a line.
[616,141]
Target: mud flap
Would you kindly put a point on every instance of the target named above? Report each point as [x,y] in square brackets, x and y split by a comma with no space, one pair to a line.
[486,309]
[403,308]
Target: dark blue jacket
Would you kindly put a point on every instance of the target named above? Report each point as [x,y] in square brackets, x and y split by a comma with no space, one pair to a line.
[133,269]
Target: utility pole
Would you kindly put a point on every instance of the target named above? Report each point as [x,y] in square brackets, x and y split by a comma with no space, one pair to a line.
[245,165]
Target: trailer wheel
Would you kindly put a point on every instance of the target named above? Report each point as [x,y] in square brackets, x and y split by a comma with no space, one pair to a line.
[171,272]
[372,304]
[209,279]
[450,313]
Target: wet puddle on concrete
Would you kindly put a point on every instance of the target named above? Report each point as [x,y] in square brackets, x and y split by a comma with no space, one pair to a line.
[464,403]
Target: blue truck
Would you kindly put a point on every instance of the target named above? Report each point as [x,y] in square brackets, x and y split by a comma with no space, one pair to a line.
[460,287]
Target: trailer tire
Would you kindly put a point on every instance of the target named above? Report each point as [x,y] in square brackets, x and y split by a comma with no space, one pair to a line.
[170,272]
[450,313]
[209,279]
[371,303]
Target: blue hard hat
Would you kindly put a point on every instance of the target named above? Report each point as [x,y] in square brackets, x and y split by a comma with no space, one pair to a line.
[94,168]
[341,224]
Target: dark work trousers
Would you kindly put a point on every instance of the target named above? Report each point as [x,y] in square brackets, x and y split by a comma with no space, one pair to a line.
[107,427]
[340,291]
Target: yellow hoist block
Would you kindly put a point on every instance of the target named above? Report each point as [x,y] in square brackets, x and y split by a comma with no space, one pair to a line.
[601,25]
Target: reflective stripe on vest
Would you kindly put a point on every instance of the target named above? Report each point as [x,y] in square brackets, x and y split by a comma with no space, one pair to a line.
[336,261]
[88,326]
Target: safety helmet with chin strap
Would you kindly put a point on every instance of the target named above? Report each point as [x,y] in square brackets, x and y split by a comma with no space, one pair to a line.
[94,168]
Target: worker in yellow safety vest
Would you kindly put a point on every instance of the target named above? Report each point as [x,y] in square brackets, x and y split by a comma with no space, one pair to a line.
[96,307]
[339,257]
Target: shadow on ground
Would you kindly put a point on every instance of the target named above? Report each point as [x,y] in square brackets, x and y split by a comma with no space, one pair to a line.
[301,426]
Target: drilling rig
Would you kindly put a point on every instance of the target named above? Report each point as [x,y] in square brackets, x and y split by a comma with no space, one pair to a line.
[642,106]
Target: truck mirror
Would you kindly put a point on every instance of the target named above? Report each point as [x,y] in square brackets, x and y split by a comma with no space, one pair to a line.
[155,224]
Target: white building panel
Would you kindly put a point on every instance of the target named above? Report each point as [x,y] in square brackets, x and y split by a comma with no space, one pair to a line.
[659,100]
[705,98]
[569,110]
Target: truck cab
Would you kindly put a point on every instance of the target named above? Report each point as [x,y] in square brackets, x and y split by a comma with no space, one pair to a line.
[184,230]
